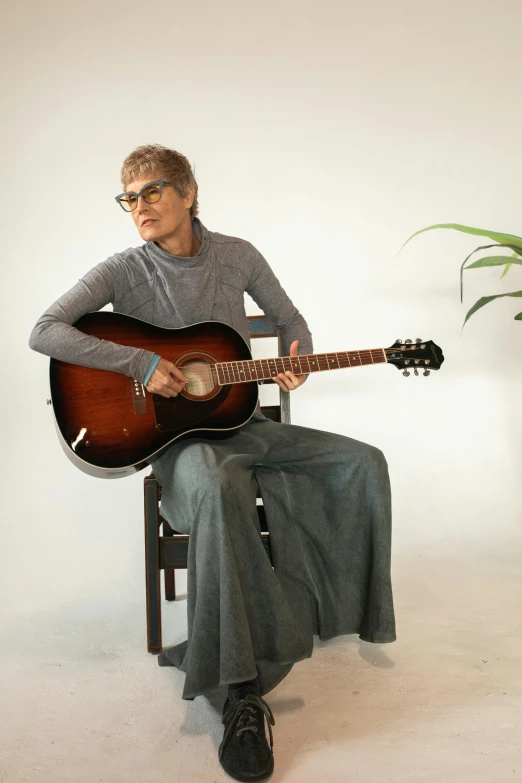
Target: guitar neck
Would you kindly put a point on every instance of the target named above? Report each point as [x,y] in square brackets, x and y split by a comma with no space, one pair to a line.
[264,369]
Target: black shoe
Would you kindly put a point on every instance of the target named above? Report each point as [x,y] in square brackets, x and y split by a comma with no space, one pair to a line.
[244,752]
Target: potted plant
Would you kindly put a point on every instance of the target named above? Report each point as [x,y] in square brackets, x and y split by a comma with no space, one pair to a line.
[510,241]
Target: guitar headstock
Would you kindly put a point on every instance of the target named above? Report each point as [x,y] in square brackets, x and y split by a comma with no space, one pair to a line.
[419,355]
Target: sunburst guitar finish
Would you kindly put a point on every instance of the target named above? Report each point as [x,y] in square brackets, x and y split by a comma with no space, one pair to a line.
[109,424]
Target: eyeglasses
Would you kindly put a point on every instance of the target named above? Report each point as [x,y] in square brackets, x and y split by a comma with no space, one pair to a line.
[151,192]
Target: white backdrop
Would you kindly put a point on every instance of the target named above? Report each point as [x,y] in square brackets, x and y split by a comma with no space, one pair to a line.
[325,134]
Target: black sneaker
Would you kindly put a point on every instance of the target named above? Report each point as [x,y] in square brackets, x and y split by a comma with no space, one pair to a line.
[244,752]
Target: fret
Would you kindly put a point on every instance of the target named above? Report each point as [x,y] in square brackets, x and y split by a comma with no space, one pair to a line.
[265,370]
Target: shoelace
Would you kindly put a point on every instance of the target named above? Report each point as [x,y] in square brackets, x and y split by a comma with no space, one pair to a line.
[240,714]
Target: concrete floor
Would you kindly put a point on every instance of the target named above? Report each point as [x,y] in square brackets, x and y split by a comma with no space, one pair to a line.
[82,701]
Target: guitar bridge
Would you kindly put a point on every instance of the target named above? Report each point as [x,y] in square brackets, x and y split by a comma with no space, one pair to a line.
[139,397]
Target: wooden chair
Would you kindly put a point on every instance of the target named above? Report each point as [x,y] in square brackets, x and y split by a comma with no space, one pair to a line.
[167,550]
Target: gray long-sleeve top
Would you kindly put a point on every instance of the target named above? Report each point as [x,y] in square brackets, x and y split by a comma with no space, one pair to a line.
[168,291]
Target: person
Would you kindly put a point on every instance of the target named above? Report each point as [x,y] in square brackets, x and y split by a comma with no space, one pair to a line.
[326,496]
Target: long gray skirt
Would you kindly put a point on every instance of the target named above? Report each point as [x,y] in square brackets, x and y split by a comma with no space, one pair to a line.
[328,509]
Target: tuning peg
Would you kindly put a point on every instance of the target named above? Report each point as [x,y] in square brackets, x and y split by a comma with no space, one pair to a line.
[426,372]
[399,340]
[408,342]
[415,371]
[418,340]
[406,373]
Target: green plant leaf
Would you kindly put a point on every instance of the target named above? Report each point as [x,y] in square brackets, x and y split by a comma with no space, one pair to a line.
[508,266]
[518,317]
[482,247]
[496,236]
[486,300]
[494,261]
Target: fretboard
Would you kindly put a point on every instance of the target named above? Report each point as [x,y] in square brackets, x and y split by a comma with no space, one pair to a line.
[263,369]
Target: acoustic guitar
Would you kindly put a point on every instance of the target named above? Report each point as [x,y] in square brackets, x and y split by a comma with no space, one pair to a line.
[109,425]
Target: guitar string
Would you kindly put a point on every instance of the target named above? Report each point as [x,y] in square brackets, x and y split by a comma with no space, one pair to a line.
[210,372]
[324,361]
[320,357]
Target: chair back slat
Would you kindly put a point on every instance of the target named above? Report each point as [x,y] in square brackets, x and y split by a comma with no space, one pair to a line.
[261,326]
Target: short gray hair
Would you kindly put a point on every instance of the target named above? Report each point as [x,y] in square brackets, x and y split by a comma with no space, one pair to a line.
[159,161]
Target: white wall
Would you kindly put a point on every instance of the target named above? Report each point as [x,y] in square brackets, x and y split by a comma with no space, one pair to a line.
[325,134]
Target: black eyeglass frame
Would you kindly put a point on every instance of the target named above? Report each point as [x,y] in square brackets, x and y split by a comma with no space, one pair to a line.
[159,182]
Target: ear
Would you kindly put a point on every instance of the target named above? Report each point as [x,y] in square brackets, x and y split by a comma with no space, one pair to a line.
[189,198]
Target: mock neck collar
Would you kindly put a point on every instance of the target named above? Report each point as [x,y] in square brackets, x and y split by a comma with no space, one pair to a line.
[158,254]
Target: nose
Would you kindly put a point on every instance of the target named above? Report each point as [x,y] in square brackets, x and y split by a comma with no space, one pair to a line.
[141,205]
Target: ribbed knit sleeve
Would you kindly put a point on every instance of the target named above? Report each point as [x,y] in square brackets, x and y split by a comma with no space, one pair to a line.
[54,335]
[266,290]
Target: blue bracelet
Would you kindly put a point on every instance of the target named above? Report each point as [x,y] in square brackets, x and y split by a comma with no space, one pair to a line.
[150,369]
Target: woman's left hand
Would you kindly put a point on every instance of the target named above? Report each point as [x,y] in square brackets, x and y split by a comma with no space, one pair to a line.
[287,381]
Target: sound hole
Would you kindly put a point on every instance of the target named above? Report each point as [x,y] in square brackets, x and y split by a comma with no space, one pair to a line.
[202,380]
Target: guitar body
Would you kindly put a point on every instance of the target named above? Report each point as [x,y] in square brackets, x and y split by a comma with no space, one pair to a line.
[109,425]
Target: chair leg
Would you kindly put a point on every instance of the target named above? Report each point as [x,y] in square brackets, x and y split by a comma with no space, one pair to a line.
[170,584]
[152,569]
[170,573]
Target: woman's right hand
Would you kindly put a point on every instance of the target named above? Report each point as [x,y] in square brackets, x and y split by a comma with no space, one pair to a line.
[166,380]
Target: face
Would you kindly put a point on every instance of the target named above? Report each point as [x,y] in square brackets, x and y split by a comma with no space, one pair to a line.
[168,216]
